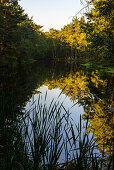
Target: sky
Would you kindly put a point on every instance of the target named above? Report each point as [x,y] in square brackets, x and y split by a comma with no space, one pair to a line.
[51,13]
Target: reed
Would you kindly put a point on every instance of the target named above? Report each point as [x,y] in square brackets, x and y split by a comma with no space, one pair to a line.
[45,137]
[43,129]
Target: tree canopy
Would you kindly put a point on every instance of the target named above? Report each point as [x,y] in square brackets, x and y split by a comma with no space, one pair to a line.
[90,36]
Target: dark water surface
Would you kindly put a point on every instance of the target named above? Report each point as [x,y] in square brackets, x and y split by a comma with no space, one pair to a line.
[89,90]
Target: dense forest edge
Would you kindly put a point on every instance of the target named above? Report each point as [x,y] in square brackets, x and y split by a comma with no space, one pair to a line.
[23,41]
[31,58]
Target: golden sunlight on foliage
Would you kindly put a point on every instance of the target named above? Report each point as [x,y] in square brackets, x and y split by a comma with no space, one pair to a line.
[96,81]
[101,123]
[78,87]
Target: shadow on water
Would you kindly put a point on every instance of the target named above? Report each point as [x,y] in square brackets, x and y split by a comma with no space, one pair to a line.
[91,88]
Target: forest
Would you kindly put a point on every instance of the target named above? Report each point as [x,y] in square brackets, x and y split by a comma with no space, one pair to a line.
[56,90]
[90,37]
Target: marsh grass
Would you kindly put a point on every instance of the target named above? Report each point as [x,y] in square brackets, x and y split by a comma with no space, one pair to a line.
[45,137]
[43,129]
[83,148]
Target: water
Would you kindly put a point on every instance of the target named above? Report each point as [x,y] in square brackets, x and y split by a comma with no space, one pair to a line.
[90,90]
[54,94]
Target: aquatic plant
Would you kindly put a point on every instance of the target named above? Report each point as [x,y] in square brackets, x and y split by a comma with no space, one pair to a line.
[45,137]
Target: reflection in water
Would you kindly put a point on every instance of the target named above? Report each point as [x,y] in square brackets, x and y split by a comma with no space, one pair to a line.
[94,93]
[92,89]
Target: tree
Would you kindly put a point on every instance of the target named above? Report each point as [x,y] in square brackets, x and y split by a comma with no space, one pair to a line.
[101,19]
[10,15]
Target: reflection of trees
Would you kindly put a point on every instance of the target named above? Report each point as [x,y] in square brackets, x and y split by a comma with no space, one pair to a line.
[17,85]
[101,123]
[94,93]
[91,90]
[16,88]
[76,85]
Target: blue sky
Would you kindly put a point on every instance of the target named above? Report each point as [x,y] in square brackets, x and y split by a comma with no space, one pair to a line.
[51,13]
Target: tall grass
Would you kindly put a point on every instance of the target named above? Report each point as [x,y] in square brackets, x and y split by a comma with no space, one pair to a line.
[45,137]
[83,148]
[43,129]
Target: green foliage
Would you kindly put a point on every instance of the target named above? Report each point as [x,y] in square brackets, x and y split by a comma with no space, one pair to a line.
[101,35]
[10,14]
[21,38]
[110,69]
[88,65]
